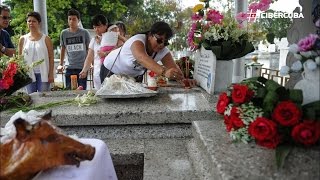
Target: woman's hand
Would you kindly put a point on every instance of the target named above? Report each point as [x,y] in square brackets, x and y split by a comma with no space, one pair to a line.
[188,83]
[174,73]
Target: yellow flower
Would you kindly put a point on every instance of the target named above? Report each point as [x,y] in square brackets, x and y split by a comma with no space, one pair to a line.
[197,8]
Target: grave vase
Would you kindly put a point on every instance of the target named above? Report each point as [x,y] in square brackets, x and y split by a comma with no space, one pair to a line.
[309,85]
[223,75]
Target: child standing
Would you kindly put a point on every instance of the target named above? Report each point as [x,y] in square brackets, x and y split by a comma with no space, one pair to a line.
[111,39]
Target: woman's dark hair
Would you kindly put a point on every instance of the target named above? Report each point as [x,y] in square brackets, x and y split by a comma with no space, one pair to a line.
[99,20]
[35,15]
[73,12]
[161,28]
[122,26]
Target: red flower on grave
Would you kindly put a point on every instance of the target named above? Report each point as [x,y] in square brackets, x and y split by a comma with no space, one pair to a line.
[263,129]
[241,93]
[306,133]
[7,76]
[228,123]
[262,110]
[270,143]
[222,103]
[287,113]
[235,118]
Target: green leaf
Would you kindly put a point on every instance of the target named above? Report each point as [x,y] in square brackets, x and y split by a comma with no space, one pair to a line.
[269,101]
[296,95]
[282,152]
[271,85]
[261,92]
[43,106]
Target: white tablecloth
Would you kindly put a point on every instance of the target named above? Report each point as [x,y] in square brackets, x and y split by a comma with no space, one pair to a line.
[99,168]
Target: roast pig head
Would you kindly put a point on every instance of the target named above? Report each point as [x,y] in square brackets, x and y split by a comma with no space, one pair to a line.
[39,147]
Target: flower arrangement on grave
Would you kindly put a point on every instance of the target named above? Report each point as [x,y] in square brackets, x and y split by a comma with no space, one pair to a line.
[186,64]
[13,76]
[86,99]
[225,35]
[307,53]
[266,112]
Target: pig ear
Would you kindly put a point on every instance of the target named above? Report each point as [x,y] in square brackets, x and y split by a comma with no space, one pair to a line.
[47,115]
[23,128]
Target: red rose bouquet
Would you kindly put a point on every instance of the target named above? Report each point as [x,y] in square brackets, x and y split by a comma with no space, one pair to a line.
[13,76]
[264,111]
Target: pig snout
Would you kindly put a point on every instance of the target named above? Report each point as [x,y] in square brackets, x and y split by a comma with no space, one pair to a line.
[90,152]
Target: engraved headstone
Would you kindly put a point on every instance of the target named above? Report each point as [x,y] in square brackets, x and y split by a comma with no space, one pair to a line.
[212,75]
[204,68]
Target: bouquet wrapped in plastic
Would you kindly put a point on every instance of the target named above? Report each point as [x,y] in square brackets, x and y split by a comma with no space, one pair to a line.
[273,116]
[13,76]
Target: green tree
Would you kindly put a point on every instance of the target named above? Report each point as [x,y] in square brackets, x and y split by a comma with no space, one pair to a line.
[57,13]
[138,15]
[151,11]
[276,26]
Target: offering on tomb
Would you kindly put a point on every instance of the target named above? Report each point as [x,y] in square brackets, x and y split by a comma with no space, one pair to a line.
[151,80]
[273,116]
[118,86]
[31,144]
[186,83]
[161,81]
[74,82]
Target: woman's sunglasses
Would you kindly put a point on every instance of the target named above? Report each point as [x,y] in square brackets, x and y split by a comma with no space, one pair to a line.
[161,41]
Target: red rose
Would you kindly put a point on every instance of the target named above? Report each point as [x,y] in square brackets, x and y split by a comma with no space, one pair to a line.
[262,129]
[286,113]
[236,122]
[223,102]
[306,133]
[228,123]
[241,93]
[269,143]
[234,111]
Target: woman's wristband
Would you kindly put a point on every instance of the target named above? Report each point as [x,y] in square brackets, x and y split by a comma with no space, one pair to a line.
[163,72]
